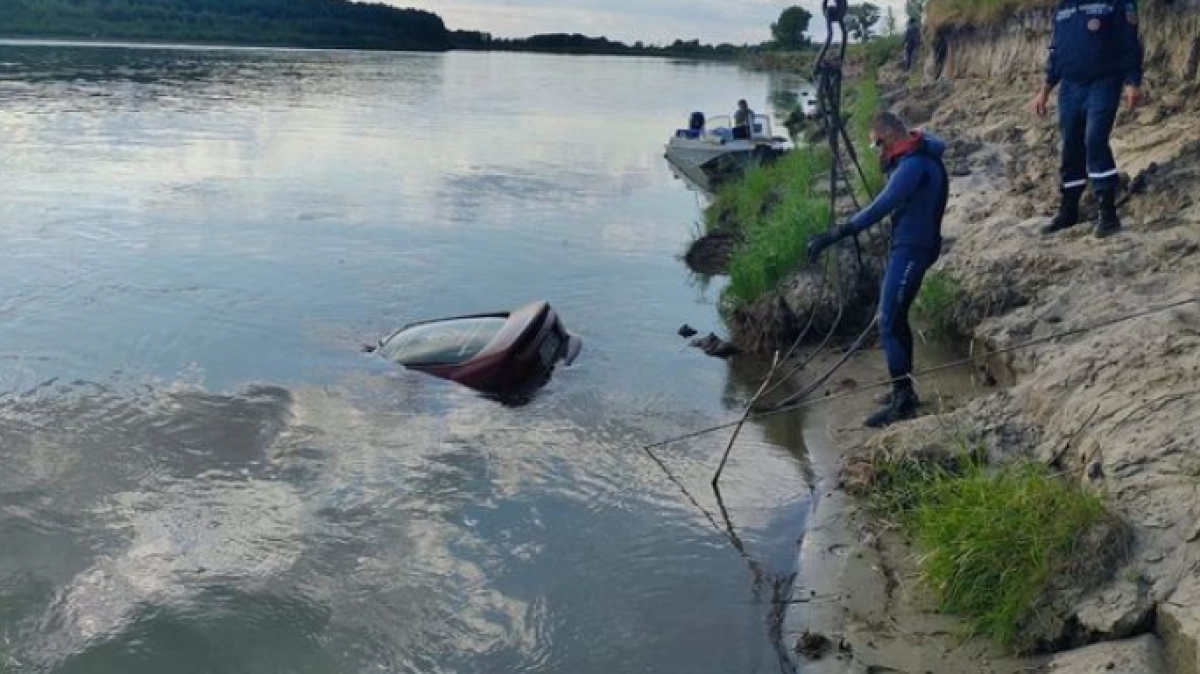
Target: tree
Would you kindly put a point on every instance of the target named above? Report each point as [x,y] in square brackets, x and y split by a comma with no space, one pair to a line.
[790,31]
[915,9]
[860,19]
[889,23]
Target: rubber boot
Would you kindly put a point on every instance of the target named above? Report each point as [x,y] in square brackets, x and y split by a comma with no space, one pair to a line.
[1108,223]
[903,406]
[1068,212]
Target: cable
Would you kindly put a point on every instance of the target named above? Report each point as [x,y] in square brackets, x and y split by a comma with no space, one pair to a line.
[828,74]
[939,368]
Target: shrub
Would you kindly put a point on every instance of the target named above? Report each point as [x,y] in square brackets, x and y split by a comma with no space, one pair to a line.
[937,304]
[974,12]
[777,209]
[991,541]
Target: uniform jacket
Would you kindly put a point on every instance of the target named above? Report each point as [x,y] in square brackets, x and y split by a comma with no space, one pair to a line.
[1095,40]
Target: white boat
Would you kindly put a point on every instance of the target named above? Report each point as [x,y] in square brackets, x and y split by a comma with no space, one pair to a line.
[707,151]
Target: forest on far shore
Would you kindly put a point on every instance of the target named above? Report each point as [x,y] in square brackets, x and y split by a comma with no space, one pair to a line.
[292,23]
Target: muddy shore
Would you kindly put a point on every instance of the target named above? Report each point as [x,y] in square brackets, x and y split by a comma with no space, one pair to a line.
[1113,409]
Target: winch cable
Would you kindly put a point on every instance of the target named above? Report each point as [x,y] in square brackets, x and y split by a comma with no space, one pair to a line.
[828,74]
[829,111]
[802,404]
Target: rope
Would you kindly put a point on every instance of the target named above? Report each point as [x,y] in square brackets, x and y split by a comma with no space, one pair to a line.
[828,74]
[801,404]
[750,406]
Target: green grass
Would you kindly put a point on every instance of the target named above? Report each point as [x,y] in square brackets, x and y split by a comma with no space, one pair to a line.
[878,51]
[777,211]
[863,105]
[991,541]
[937,304]
[775,237]
[975,12]
[747,199]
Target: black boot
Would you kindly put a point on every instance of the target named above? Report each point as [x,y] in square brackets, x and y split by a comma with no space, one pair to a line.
[903,406]
[1108,223]
[1068,212]
[886,398]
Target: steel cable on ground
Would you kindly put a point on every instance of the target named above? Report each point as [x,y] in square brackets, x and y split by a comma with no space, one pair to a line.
[801,404]
[828,107]
[828,75]
[829,96]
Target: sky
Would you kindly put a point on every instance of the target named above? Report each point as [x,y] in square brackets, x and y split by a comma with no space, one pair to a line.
[650,21]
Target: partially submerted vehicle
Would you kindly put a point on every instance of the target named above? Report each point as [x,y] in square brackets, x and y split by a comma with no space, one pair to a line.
[493,353]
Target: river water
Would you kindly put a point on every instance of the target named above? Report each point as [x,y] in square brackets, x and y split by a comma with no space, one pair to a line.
[202,473]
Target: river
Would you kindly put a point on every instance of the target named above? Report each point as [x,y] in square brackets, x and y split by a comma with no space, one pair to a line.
[203,473]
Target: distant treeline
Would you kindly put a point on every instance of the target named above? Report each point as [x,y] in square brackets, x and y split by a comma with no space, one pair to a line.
[295,23]
[299,23]
[574,43]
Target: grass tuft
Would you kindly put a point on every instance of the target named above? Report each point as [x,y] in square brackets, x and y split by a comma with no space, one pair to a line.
[992,541]
[937,304]
[777,209]
[878,51]
[775,237]
[977,12]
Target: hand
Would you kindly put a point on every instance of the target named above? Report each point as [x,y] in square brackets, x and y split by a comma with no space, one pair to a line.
[1133,95]
[1041,102]
[817,245]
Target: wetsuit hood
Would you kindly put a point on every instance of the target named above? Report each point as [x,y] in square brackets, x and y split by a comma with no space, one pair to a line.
[917,141]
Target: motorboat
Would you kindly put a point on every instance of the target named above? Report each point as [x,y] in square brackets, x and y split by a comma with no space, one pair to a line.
[708,150]
[488,352]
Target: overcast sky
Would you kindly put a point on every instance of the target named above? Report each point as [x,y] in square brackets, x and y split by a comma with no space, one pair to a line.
[712,21]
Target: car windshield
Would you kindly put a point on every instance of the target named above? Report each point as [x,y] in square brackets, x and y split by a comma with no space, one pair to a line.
[443,342]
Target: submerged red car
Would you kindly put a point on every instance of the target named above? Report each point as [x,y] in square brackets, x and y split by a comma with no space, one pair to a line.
[488,352]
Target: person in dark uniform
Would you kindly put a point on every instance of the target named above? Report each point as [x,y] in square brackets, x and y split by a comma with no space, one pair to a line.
[915,197]
[743,121]
[912,42]
[941,47]
[1095,54]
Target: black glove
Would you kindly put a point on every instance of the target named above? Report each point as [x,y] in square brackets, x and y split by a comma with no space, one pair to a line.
[818,243]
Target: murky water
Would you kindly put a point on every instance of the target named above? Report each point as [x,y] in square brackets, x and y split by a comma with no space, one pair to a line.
[199,472]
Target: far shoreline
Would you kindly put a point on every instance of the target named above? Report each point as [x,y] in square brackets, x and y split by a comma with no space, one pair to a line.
[134,43]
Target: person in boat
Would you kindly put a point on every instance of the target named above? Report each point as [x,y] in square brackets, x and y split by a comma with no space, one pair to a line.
[695,128]
[1095,53]
[915,197]
[743,121]
[912,42]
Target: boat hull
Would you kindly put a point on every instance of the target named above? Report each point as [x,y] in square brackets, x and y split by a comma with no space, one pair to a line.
[707,169]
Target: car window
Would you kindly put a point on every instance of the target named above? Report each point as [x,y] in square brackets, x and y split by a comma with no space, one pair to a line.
[442,342]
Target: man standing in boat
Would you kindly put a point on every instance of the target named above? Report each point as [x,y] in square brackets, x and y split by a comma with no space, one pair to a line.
[915,197]
[1095,53]
[743,121]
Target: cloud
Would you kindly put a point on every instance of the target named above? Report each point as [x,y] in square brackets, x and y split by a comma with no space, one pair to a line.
[654,21]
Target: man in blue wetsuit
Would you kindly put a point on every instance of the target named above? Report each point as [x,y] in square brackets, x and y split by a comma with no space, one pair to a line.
[1095,53]
[915,197]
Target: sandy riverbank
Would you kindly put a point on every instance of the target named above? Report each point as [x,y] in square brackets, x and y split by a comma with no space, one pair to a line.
[1114,410]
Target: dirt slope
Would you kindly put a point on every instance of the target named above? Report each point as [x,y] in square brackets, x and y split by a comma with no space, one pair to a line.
[1122,401]
[1117,408]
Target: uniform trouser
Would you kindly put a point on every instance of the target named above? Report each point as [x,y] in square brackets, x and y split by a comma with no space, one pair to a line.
[1086,114]
[901,282]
